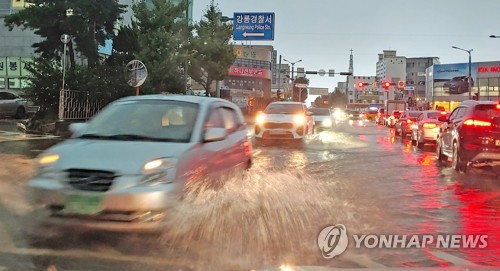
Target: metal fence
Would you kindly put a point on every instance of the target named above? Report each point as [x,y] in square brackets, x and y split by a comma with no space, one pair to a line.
[78,105]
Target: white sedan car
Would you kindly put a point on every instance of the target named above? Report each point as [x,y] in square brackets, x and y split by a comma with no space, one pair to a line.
[120,170]
[284,120]
[426,128]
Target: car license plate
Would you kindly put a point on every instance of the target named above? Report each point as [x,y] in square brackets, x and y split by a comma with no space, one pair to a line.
[277,132]
[83,204]
[497,142]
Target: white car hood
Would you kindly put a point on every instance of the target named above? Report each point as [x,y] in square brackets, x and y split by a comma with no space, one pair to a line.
[122,157]
[279,118]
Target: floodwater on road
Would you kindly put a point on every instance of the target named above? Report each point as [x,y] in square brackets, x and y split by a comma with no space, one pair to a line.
[360,176]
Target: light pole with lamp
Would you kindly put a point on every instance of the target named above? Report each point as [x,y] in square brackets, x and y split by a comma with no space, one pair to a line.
[65,38]
[470,68]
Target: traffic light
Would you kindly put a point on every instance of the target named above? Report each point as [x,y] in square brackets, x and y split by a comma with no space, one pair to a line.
[361,84]
[386,85]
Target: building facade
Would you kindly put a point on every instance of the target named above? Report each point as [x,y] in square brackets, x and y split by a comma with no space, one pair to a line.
[391,68]
[251,73]
[371,93]
[415,75]
[447,85]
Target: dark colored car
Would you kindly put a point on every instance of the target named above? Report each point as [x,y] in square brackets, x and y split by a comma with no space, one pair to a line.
[405,121]
[470,135]
[458,85]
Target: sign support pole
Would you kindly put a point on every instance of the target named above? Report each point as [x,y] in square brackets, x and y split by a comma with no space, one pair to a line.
[136,91]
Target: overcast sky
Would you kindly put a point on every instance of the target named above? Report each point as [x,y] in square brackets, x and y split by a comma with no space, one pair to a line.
[321,32]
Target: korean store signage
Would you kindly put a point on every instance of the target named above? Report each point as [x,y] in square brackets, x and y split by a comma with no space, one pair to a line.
[247,72]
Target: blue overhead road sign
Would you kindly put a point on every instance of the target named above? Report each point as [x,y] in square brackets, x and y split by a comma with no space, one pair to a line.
[253,26]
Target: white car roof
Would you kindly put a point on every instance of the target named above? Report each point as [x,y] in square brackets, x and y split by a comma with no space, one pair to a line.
[180,98]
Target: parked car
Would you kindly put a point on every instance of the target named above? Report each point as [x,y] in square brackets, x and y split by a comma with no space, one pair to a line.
[405,121]
[380,117]
[323,119]
[458,85]
[392,118]
[470,135]
[12,105]
[426,128]
[284,120]
[122,168]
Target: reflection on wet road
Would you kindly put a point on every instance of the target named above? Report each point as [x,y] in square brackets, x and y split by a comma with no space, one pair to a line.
[357,175]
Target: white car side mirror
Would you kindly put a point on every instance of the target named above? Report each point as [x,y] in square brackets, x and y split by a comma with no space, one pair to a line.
[215,134]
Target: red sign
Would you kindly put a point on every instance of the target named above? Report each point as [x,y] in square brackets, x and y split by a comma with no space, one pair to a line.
[488,69]
[247,72]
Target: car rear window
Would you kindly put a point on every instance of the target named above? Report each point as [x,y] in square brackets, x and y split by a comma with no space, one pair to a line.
[284,109]
[434,115]
[414,114]
[487,111]
[320,111]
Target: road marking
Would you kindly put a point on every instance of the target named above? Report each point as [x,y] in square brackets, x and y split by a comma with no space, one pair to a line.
[452,259]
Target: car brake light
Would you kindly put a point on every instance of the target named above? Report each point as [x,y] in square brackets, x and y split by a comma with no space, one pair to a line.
[471,122]
[248,147]
[442,112]
[392,117]
[429,125]
[498,106]
[409,121]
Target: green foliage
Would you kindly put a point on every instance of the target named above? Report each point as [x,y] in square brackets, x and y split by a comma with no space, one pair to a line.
[91,24]
[337,99]
[304,94]
[163,35]
[212,52]
[105,83]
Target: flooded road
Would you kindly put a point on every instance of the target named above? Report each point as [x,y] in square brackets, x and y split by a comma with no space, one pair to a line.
[360,176]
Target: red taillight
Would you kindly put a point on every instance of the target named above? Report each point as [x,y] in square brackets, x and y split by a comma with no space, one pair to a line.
[409,121]
[442,112]
[248,147]
[471,122]
[429,125]
[498,106]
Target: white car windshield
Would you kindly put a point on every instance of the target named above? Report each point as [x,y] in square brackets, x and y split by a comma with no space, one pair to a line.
[284,109]
[154,120]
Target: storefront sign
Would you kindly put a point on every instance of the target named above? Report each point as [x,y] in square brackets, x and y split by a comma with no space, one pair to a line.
[13,66]
[247,72]
[252,53]
[3,66]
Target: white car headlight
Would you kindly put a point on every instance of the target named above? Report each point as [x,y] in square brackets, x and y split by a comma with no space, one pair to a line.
[159,171]
[45,166]
[327,122]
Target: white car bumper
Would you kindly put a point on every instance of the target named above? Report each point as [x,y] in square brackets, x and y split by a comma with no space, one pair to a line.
[272,130]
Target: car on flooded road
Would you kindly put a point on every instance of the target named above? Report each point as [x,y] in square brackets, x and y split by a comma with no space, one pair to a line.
[470,135]
[426,128]
[323,119]
[405,121]
[284,120]
[121,169]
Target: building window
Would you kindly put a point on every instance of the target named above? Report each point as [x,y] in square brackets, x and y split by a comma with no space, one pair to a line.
[2,83]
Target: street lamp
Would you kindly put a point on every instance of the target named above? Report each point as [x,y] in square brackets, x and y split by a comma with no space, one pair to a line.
[470,68]
[293,65]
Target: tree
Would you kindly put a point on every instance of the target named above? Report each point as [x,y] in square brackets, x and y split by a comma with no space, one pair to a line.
[337,98]
[212,52]
[304,94]
[125,45]
[92,22]
[163,35]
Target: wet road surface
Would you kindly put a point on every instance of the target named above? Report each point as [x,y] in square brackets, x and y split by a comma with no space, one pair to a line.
[359,176]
